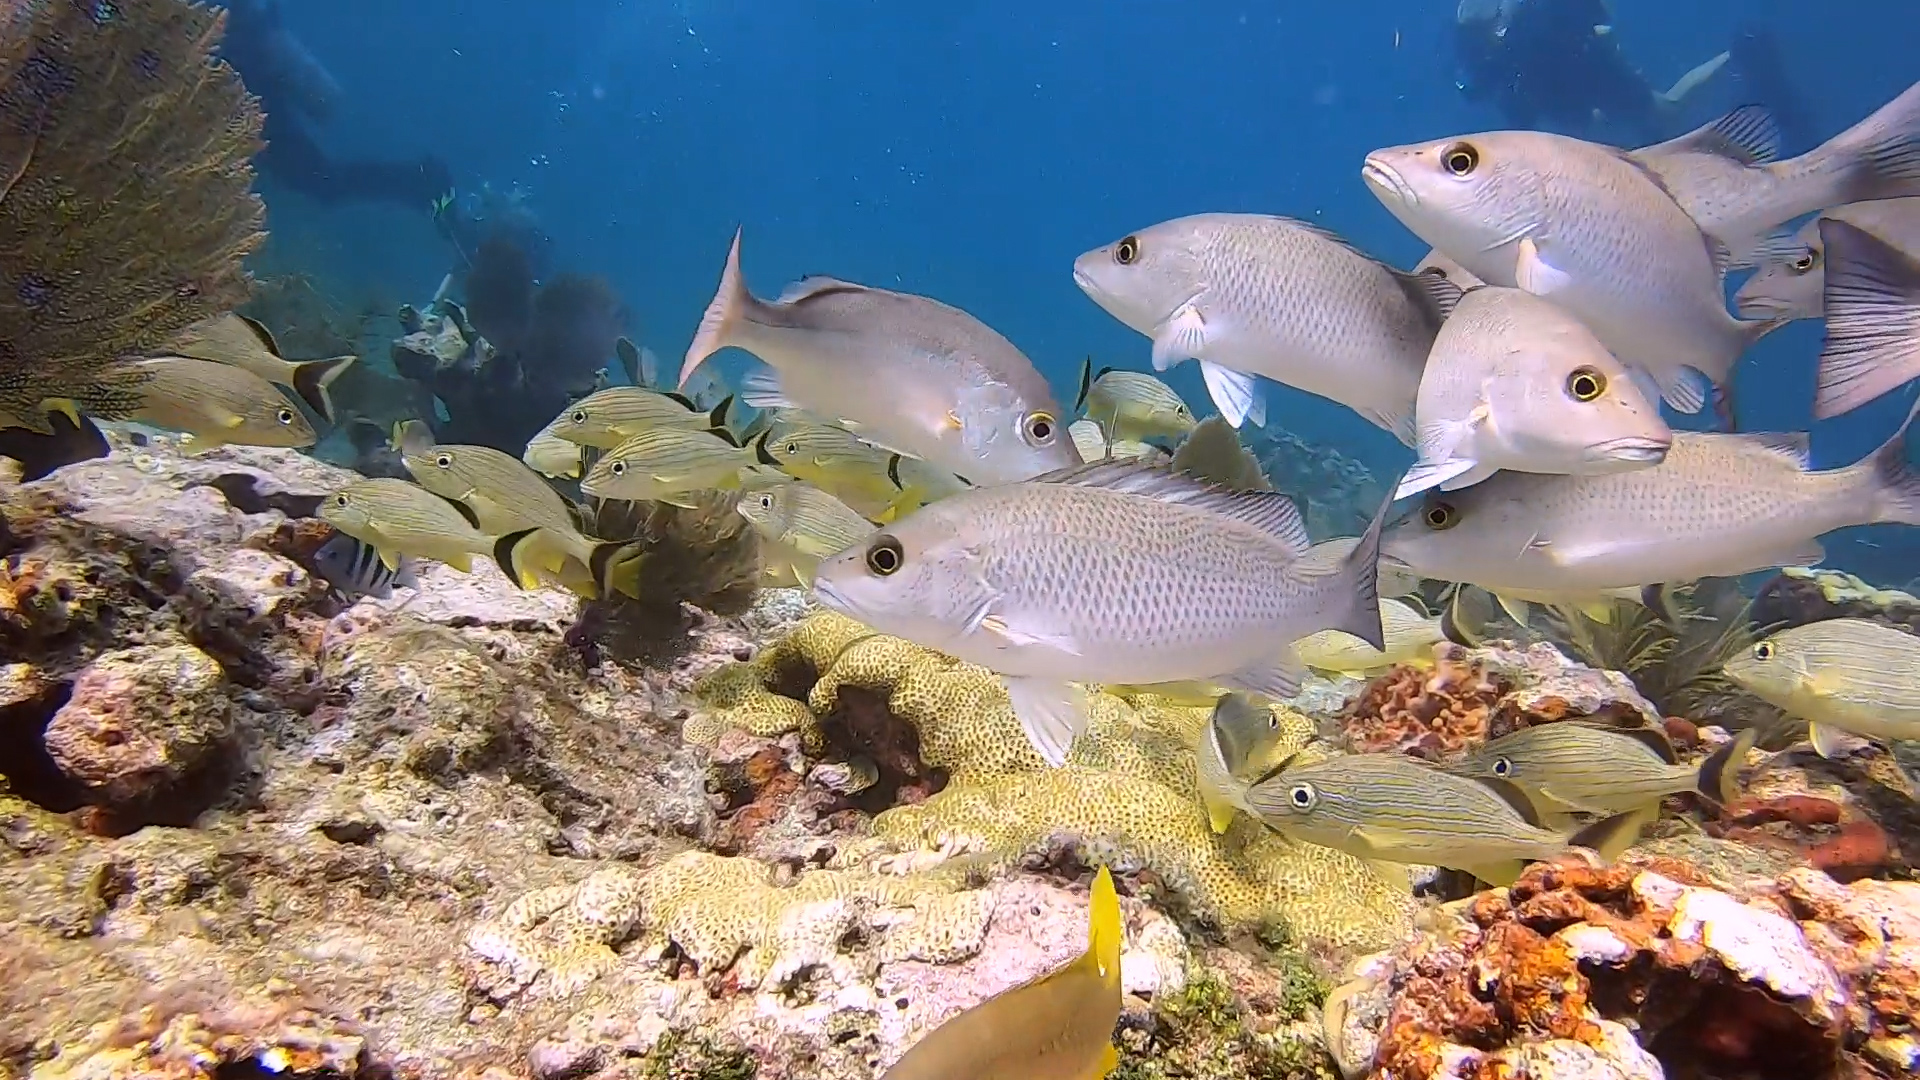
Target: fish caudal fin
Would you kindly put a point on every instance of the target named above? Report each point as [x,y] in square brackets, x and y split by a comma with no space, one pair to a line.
[1872,302]
[1612,836]
[616,568]
[516,554]
[729,305]
[1880,155]
[311,379]
[1720,774]
[1053,714]
[1104,933]
[1359,582]
[1896,483]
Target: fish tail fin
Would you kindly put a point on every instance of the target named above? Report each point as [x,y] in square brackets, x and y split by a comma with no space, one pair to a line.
[1104,934]
[629,354]
[723,315]
[311,379]
[1872,300]
[1359,577]
[1720,774]
[1896,483]
[1610,837]
[513,554]
[1879,157]
[616,568]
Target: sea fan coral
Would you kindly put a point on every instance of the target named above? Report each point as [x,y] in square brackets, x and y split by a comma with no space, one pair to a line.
[125,194]
[706,555]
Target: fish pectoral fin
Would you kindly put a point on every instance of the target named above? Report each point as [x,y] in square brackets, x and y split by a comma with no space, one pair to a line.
[1184,334]
[1685,388]
[1430,474]
[1376,844]
[1219,813]
[1235,393]
[462,562]
[1516,609]
[1277,678]
[1052,714]
[1397,424]
[1469,478]
[998,627]
[1533,273]
[1497,874]
[226,420]
[1828,741]
[762,390]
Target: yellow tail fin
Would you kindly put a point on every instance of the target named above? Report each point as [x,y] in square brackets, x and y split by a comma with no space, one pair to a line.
[1103,927]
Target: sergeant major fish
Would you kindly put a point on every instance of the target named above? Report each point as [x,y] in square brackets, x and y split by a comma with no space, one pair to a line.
[1851,675]
[902,371]
[1253,295]
[353,568]
[1117,572]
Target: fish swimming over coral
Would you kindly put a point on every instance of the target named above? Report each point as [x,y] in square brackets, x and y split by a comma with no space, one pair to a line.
[235,339]
[801,525]
[902,371]
[1852,675]
[217,404]
[878,484]
[1117,572]
[667,465]
[400,518]
[1239,735]
[1410,636]
[354,569]
[1398,809]
[1595,768]
[1056,1027]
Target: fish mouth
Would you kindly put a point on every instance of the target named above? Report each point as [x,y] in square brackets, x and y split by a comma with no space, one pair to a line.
[829,596]
[1082,279]
[1759,307]
[1633,449]
[1387,183]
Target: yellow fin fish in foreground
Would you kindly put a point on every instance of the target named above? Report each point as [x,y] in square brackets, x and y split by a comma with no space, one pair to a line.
[1574,765]
[218,404]
[666,464]
[1056,1027]
[1842,674]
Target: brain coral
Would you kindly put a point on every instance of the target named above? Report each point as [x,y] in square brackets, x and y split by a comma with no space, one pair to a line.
[1127,793]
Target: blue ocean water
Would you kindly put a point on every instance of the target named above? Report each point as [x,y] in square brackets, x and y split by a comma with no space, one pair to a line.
[969,151]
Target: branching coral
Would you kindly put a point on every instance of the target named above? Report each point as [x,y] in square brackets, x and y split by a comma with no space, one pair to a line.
[1127,794]
[125,195]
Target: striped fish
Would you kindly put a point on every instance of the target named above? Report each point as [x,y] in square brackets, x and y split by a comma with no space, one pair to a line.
[354,569]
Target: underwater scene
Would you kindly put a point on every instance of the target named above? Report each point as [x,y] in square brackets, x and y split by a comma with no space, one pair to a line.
[679,540]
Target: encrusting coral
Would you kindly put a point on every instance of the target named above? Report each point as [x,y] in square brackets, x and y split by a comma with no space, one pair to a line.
[125,194]
[1127,793]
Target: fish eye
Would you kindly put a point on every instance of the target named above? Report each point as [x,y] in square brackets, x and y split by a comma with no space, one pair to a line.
[618,468]
[766,502]
[1440,516]
[1503,767]
[1763,650]
[1038,428]
[1806,262]
[884,556]
[341,499]
[793,448]
[443,460]
[1302,796]
[1273,721]
[284,415]
[1182,412]
[1126,251]
[1586,384]
[1460,159]
[579,416]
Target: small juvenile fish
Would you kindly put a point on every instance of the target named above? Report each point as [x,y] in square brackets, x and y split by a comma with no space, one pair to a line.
[550,455]
[243,342]
[607,418]
[1515,382]
[1239,736]
[665,464]
[1130,406]
[1572,765]
[905,372]
[1056,1027]
[801,525]
[218,404]
[1872,302]
[1842,674]
[354,569]
[1253,295]
[1397,809]
[1586,227]
[1792,273]
[1724,175]
[1118,572]
[400,518]
[1411,635]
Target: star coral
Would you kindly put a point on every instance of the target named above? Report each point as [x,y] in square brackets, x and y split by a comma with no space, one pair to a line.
[1127,793]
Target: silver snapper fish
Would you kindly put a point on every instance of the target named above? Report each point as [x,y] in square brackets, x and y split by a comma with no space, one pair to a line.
[1725,177]
[901,371]
[1720,505]
[1116,572]
[1872,301]
[1586,227]
[1253,295]
[1792,266]
[1514,382]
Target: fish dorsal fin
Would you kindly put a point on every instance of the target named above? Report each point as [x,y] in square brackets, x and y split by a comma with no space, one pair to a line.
[1512,794]
[629,361]
[1330,236]
[1748,135]
[260,333]
[816,285]
[1653,739]
[1432,286]
[1795,446]
[1269,511]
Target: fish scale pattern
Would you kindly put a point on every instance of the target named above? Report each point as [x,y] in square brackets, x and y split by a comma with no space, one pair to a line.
[1128,793]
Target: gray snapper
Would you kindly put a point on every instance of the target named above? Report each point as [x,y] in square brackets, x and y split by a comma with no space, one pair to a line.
[1792,267]
[1117,572]
[1253,295]
[901,371]
[1588,228]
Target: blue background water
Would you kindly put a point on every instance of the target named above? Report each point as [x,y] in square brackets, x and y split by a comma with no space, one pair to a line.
[970,150]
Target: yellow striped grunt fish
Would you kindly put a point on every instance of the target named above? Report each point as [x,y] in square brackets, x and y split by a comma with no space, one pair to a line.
[1131,406]
[1574,765]
[800,525]
[1839,675]
[218,404]
[666,464]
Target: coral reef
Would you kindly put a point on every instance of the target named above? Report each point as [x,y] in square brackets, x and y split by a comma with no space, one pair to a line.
[125,195]
[1798,595]
[1644,971]
[1336,493]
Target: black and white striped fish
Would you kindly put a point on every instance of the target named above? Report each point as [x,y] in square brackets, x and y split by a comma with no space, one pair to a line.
[354,569]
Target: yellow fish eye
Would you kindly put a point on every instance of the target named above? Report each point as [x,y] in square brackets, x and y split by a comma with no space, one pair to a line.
[1503,767]
[1460,159]
[1126,251]
[1302,796]
[443,460]
[1440,516]
[1763,650]
[1806,262]
[1586,384]
[618,468]
[284,415]
[1039,428]
[884,556]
